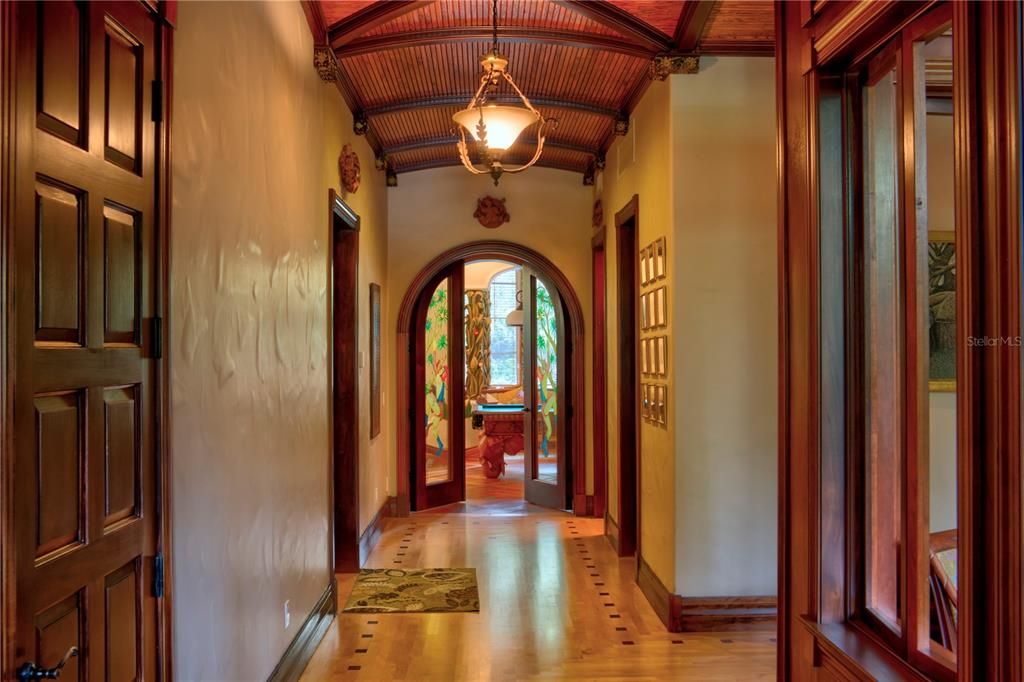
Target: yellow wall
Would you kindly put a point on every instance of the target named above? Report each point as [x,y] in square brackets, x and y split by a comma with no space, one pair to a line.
[649,176]
[256,139]
[432,211]
[370,202]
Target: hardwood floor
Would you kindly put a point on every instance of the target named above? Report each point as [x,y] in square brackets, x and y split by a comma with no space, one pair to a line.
[555,604]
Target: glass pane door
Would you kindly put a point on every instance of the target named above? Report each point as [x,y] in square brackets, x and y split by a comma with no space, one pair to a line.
[439,425]
[437,413]
[544,350]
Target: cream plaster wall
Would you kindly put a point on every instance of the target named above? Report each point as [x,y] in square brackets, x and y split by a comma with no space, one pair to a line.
[724,163]
[640,164]
[432,211]
[254,150]
[701,157]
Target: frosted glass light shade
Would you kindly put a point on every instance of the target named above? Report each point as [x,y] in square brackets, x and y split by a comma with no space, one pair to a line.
[504,123]
[515,317]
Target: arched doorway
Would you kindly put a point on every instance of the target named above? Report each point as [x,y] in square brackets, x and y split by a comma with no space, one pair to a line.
[406,364]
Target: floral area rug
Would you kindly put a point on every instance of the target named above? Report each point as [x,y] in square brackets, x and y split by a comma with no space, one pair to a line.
[424,590]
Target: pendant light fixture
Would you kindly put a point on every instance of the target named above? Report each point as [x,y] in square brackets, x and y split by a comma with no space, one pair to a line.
[496,127]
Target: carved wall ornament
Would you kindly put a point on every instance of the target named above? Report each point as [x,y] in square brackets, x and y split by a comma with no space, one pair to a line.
[622,125]
[598,217]
[360,124]
[665,65]
[348,169]
[491,212]
[325,63]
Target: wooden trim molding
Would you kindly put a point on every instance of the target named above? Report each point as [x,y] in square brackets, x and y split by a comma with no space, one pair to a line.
[817,637]
[343,226]
[405,361]
[704,614]
[371,534]
[611,531]
[724,614]
[296,657]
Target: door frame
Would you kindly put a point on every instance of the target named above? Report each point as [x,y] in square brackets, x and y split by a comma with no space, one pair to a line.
[406,361]
[343,361]
[627,224]
[598,316]
[164,15]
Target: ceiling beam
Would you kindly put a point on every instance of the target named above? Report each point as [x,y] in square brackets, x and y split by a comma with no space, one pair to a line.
[445,141]
[508,34]
[377,14]
[454,162]
[746,48]
[462,100]
[620,21]
[692,21]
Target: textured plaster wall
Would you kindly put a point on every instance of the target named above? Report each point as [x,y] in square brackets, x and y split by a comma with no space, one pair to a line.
[639,164]
[726,360]
[432,211]
[256,138]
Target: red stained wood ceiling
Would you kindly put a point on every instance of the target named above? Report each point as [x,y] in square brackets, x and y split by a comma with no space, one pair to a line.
[406,67]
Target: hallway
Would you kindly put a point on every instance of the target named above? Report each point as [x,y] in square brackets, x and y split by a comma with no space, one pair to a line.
[556,604]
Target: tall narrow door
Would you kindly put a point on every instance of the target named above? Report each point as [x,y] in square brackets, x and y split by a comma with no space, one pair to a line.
[544,353]
[85,508]
[439,407]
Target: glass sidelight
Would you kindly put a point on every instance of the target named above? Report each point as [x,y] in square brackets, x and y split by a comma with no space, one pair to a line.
[902,343]
[437,376]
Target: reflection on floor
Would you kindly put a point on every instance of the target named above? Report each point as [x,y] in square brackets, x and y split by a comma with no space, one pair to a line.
[556,604]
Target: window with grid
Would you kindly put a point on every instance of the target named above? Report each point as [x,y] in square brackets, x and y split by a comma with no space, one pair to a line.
[505,369]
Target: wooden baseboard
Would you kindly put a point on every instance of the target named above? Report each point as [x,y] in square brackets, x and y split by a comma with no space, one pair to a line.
[704,614]
[611,531]
[356,554]
[298,653]
[583,505]
[370,536]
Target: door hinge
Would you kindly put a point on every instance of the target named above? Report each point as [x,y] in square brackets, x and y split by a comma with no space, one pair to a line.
[158,576]
[158,101]
[157,337]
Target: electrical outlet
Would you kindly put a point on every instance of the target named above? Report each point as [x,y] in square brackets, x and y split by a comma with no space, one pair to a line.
[287,614]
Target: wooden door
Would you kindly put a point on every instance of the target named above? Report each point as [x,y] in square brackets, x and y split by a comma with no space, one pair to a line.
[438,405]
[544,388]
[84,402]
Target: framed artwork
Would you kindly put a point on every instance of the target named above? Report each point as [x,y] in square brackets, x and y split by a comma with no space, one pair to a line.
[659,259]
[941,311]
[659,315]
[661,356]
[374,360]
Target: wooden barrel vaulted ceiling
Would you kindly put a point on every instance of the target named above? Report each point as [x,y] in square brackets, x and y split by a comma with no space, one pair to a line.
[405,67]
